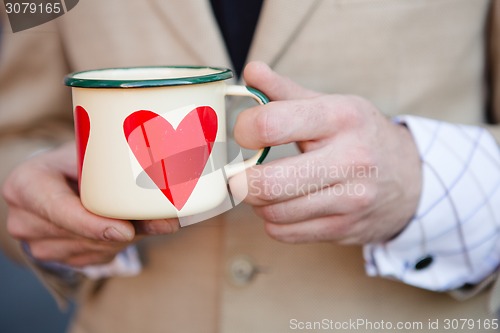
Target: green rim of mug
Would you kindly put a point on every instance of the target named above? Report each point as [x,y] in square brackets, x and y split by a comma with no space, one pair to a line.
[220,74]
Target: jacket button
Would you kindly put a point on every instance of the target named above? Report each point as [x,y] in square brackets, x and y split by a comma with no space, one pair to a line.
[241,271]
[424,263]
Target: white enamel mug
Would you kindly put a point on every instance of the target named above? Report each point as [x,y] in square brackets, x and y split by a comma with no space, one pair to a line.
[151,141]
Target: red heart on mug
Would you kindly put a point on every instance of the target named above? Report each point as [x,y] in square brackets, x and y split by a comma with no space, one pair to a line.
[173,158]
[82,129]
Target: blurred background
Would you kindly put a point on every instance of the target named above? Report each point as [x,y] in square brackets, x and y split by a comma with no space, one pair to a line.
[25,305]
[21,294]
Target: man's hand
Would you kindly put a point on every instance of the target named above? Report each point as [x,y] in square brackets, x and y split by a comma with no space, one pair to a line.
[358,179]
[46,213]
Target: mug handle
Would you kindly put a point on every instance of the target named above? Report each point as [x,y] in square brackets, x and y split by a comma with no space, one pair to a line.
[258,158]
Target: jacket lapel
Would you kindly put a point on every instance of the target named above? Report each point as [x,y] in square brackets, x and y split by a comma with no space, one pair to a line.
[192,21]
[280,22]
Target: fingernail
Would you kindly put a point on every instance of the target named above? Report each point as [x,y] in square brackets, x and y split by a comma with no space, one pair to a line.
[114,234]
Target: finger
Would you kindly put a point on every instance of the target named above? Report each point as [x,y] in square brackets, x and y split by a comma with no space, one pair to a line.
[24,225]
[66,211]
[60,250]
[339,199]
[290,177]
[43,189]
[276,87]
[156,227]
[66,160]
[283,122]
[89,259]
[333,228]
[300,120]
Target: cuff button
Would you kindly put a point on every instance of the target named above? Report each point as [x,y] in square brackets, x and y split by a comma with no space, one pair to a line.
[424,262]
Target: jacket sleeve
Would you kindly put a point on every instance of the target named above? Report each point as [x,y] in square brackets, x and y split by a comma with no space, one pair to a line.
[452,243]
[494,68]
[35,106]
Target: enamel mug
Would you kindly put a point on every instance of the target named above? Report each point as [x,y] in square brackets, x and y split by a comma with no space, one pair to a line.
[151,141]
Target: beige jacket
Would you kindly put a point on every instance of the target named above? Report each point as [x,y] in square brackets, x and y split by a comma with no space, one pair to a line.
[423,57]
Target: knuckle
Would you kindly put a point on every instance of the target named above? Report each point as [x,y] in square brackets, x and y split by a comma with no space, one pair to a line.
[9,187]
[19,179]
[6,191]
[338,229]
[272,213]
[362,162]
[174,227]
[352,230]
[42,253]
[279,233]
[274,232]
[267,129]
[365,199]
[169,226]
[351,108]
[158,227]
[15,229]
[261,126]
[50,205]
[366,162]
[263,186]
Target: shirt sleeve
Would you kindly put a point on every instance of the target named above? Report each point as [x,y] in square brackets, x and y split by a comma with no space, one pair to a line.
[126,263]
[453,239]
[64,282]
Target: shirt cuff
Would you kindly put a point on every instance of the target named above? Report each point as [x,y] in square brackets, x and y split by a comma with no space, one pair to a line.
[454,238]
[126,263]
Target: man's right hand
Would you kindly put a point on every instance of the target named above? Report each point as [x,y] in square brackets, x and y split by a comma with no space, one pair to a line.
[46,213]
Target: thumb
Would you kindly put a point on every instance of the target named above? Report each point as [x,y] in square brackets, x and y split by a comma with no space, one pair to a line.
[260,76]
